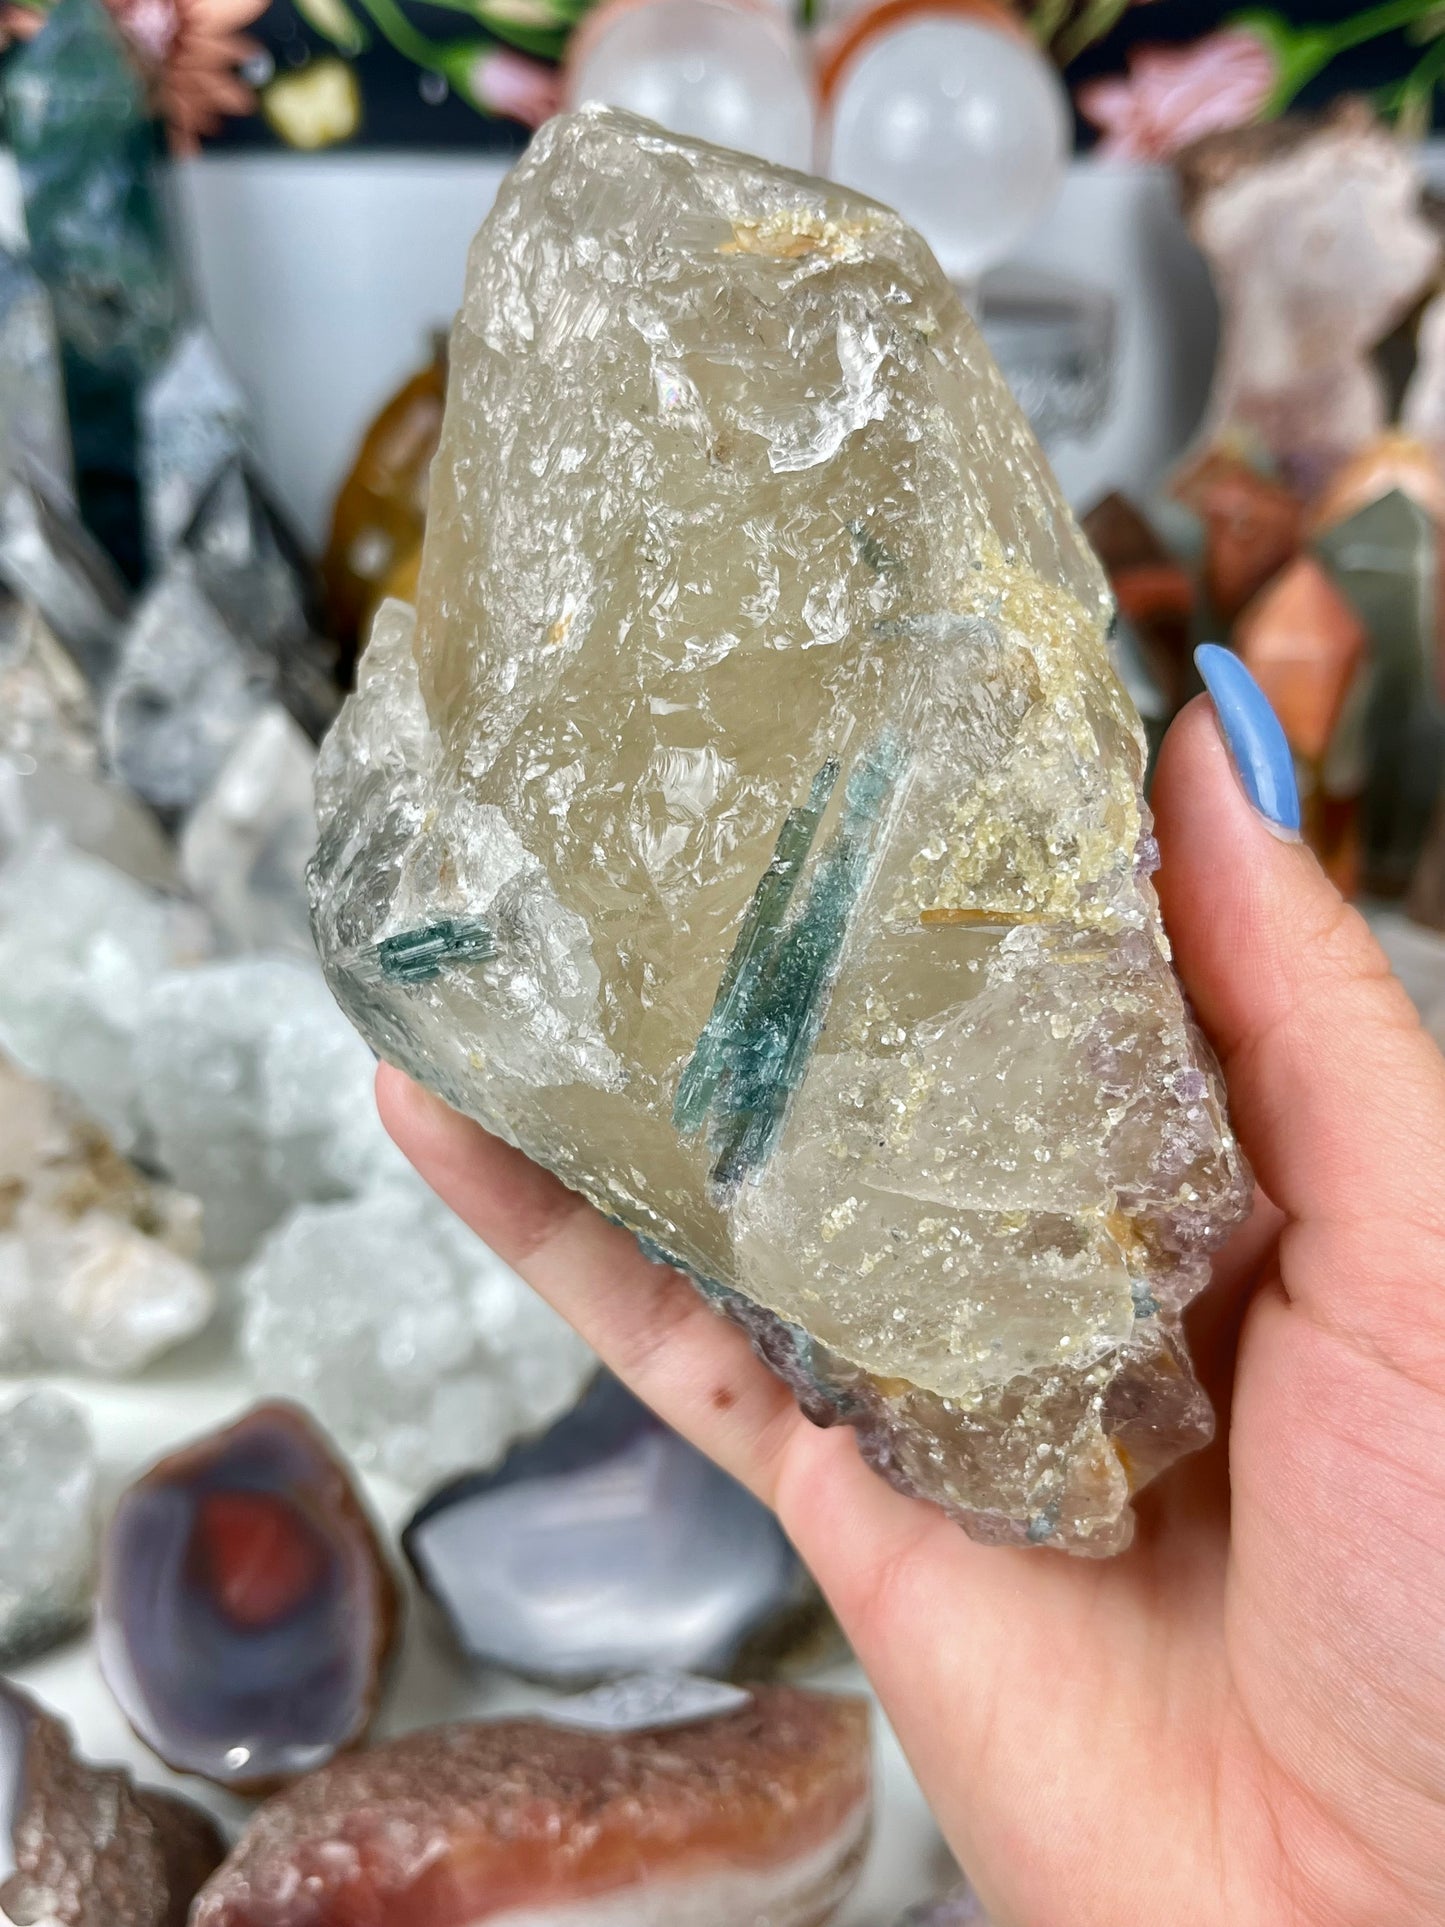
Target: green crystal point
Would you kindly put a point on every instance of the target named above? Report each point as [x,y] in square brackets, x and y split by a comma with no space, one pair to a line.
[757,704]
[86,146]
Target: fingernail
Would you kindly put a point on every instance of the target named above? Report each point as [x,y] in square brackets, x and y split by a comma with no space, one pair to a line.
[1257,743]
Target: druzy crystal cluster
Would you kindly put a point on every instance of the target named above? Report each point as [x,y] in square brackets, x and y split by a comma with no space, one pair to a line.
[751,828]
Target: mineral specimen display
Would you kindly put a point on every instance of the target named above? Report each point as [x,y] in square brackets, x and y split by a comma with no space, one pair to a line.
[83,1846]
[752,831]
[607,1546]
[96,1261]
[755,1818]
[48,1525]
[246,1611]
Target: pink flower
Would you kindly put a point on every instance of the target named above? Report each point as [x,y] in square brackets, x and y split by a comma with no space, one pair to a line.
[1173,95]
[502,82]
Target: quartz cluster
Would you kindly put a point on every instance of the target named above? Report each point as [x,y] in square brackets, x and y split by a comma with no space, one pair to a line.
[97,1268]
[751,828]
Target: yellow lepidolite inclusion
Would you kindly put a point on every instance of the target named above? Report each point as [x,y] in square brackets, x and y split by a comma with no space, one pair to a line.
[751,827]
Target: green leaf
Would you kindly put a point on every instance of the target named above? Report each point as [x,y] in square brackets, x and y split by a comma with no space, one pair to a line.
[335,22]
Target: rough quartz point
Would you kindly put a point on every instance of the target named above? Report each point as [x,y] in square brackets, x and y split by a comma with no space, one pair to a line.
[47,558]
[755,1818]
[81,945]
[246,844]
[48,1522]
[256,1095]
[96,1260]
[255,573]
[422,1352]
[607,1546]
[247,1611]
[185,689]
[34,433]
[193,420]
[83,1846]
[50,772]
[752,829]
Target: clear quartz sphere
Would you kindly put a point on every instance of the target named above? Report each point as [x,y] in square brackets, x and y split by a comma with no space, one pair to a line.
[964,129]
[730,74]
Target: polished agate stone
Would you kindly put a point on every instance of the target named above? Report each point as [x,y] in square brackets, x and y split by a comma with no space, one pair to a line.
[606,1546]
[246,1609]
[754,1818]
[751,828]
[83,1846]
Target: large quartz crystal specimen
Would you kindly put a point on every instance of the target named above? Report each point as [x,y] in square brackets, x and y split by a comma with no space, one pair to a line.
[755,1816]
[752,831]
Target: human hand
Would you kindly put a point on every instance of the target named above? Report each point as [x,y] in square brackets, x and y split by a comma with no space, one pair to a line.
[1241,1721]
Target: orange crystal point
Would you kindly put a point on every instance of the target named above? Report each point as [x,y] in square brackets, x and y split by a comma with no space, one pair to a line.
[1252,527]
[1304,644]
[1392,461]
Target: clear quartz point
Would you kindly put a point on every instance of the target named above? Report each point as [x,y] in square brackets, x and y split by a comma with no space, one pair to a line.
[758,753]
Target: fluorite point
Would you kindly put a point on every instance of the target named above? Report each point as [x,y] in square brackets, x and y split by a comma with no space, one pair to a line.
[758,725]
[83,1846]
[756,1817]
[247,1611]
[607,1546]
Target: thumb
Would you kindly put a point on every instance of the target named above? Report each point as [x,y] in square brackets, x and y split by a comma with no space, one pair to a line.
[1336,1092]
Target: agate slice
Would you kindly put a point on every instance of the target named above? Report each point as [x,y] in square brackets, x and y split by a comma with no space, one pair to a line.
[755,1818]
[246,1609]
[84,1846]
[607,1546]
[751,829]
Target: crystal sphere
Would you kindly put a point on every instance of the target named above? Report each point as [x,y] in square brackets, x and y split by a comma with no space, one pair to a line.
[964,129]
[729,74]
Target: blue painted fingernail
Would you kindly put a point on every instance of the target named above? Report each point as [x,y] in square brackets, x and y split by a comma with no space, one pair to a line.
[1256,741]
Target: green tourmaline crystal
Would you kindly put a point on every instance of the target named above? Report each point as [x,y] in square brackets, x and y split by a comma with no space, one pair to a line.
[77,119]
[757,705]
